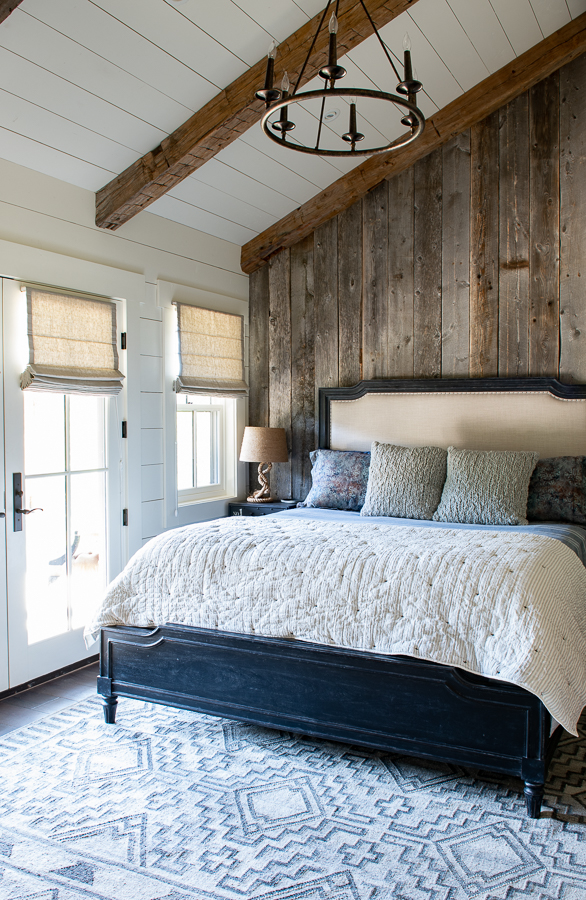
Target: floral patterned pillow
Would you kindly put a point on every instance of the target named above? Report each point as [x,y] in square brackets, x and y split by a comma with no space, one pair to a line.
[557,490]
[339,479]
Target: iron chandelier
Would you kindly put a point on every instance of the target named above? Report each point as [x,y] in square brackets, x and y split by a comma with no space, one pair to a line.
[281,100]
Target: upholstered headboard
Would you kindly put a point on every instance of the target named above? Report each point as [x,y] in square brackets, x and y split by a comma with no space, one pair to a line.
[538,414]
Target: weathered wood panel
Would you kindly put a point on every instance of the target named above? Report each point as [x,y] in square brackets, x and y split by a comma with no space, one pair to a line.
[544,227]
[484,198]
[456,257]
[400,269]
[573,222]
[326,305]
[514,239]
[302,364]
[280,363]
[350,295]
[258,330]
[439,270]
[375,316]
[427,269]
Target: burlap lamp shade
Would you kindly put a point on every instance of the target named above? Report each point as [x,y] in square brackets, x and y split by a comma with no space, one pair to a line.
[264,446]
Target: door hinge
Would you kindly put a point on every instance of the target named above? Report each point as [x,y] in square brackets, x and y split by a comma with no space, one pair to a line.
[125,517]
[123,340]
[124,429]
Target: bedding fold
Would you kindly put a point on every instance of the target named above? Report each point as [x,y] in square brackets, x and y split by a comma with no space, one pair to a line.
[508,605]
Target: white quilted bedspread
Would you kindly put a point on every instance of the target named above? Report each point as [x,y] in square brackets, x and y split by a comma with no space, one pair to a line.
[507,605]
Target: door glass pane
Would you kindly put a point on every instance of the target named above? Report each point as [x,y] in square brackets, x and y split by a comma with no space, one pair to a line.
[86,432]
[88,544]
[184,450]
[44,432]
[46,570]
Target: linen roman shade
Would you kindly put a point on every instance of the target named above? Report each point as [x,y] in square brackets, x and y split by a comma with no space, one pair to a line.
[211,352]
[72,345]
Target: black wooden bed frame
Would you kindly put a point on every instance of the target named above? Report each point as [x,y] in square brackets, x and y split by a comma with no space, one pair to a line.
[393,703]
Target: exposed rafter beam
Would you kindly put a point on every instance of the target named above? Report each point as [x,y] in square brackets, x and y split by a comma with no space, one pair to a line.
[230,114]
[7,7]
[495,91]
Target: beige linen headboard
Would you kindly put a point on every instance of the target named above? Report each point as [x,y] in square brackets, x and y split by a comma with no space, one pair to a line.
[490,414]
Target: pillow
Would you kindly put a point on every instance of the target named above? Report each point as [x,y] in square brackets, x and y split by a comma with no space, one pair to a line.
[557,490]
[404,481]
[486,487]
[338,479]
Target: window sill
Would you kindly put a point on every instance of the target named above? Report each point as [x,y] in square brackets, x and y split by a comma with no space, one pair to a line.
[213,498]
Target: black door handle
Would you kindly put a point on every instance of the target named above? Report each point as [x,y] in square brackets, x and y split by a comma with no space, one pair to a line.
[2,515]
[17,493]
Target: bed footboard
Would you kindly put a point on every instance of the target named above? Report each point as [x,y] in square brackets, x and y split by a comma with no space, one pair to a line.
[394,703]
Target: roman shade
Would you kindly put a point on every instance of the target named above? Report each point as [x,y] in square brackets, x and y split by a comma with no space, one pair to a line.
[211,352]
[72,345]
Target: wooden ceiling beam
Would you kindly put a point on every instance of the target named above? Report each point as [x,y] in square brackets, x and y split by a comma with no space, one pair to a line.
[231,113]
[7,7]
[495,91]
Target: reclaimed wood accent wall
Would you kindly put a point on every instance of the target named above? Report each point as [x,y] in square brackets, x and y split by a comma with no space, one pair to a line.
[470,264]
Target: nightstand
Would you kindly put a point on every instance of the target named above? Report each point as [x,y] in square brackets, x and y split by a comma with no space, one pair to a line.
[256,509]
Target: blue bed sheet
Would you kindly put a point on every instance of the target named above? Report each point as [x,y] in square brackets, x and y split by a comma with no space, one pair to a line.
[573,536]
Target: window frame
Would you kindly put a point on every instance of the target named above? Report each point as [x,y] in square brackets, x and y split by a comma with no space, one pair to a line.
[200,504]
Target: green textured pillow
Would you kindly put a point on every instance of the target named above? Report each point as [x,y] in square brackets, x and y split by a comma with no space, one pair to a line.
[486,487]
[405,482]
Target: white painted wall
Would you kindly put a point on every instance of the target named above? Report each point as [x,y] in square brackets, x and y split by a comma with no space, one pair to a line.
[48,235]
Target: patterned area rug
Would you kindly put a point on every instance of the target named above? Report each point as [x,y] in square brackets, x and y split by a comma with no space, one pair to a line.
[169,804]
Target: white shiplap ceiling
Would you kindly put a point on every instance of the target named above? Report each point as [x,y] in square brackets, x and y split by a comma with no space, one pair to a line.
[89,86]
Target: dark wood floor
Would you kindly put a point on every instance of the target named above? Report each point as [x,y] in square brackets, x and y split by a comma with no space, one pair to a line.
[28,706]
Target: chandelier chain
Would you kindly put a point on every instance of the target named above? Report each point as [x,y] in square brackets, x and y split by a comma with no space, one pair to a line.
[382,43]
[304,66]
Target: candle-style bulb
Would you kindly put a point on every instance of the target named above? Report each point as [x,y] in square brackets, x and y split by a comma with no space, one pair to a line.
[285,83]
[406,42]
[333,24]
[272,50]
[352,100]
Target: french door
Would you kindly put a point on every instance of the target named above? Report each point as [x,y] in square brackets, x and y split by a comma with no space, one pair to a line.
[63,484]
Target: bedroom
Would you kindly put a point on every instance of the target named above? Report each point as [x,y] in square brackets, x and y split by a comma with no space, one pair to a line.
[493,296]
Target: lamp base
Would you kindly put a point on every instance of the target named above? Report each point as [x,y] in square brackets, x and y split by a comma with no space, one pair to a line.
[263,495]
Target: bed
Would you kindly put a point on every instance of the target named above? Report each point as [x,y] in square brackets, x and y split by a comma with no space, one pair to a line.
[394,703]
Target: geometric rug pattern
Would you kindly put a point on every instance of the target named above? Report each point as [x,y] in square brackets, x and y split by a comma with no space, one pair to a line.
[176,805]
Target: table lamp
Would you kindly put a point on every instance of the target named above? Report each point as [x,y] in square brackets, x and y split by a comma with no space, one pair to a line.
[263,444]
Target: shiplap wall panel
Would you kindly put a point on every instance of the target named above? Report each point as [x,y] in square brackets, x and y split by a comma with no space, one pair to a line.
[455,257]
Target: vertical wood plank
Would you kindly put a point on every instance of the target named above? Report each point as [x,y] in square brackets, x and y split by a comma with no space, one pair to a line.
[484,236]
[513,342]
[258,330]
[350,294]
[326,306]
[544,227]
[427,275]
[573,222]
[456,257]
[400,268]
[280,363]
[302,367]
[375,339]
